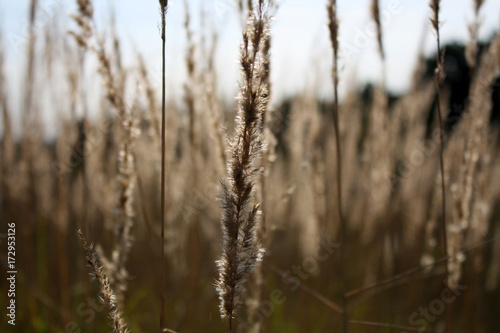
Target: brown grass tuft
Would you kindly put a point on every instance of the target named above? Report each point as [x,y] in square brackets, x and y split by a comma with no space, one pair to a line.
[241,252]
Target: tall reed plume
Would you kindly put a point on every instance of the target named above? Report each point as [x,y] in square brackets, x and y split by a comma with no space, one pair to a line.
[241,250]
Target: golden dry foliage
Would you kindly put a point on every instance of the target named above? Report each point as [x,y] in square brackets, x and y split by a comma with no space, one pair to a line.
[303,177]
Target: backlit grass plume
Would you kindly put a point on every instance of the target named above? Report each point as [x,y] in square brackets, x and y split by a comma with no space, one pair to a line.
[241,251]
[107,297]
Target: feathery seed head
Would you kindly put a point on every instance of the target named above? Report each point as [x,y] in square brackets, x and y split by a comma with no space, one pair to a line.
[333,25]
[85,8]
[477,5]
[163,4]
[435,6]
[241,249]
[107,296]
[376,17]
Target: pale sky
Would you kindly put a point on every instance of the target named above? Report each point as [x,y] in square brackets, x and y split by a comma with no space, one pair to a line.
[301,55]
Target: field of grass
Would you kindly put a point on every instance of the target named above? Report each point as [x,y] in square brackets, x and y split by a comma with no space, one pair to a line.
[373,213]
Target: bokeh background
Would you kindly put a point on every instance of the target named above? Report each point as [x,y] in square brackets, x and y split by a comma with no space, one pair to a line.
[62,146]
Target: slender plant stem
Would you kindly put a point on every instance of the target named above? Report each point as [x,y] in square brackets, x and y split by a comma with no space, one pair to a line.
[414,270]
[443,199]
[333,25]
[393,326]
[163,5]
[339,203]
[307,289]
[441,165]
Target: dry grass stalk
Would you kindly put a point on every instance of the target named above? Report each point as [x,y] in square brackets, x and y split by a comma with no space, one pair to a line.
[84,22]
[189,90]
[213,104]
[267,158]
[378,144]
[30,73]
[163,13]
[471,209]
[375,11]
[31,123]
[435,6]
[350,131]
[152,101]
[472,47]
[7,153]
[380,165]
[190,99]
[307,163]
[126,178]
[333,26]
[61,192]
[245,9]
[493,276]
[241,251]
[108,298]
